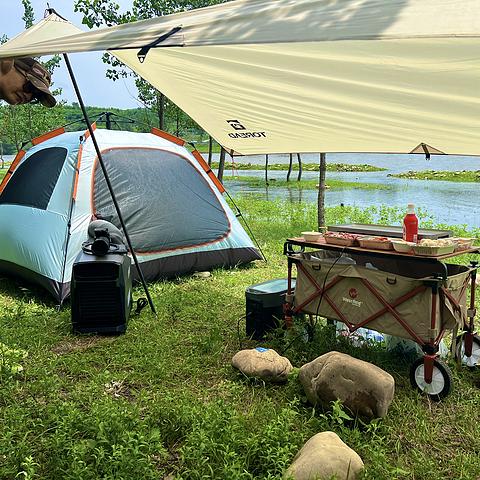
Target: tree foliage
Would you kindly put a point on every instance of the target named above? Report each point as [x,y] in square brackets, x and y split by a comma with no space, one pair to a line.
[21,123]
[106,12]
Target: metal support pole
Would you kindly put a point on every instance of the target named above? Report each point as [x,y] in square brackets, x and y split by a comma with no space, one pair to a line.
[109,185]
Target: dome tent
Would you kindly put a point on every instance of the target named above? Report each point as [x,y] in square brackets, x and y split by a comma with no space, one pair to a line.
[172,205]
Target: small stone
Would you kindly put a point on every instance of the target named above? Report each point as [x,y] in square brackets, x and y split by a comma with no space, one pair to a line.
[325,456]
[264,363]
[202,274]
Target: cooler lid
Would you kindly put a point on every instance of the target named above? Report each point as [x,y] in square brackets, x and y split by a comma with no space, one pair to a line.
[277,285]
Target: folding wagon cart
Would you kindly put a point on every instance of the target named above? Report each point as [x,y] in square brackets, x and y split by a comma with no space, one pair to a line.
[414,297]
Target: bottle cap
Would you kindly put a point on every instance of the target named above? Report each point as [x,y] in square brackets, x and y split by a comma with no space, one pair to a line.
[411,205]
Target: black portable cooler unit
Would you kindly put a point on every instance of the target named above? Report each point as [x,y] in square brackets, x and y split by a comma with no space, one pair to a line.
[264,306]
[101,293]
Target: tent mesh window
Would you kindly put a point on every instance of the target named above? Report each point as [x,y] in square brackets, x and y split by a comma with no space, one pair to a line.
[34,180]
[165,201]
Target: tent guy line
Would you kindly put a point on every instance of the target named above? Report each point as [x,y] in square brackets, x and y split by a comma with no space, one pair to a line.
[107,181]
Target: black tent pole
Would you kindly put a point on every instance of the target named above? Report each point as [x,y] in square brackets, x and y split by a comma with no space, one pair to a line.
[100,160]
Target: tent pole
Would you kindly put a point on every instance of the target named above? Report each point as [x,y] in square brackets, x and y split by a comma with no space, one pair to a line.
[109,185]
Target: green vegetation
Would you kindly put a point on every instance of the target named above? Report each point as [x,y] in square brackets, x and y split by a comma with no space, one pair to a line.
[308,184]
[163,399]
[71,116]
[458,176]
[331,167]
[203,147]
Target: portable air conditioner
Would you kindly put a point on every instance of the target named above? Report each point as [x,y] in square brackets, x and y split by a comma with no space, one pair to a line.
[101,293]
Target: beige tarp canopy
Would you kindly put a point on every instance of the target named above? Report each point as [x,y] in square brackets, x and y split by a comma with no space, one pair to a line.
[280,76]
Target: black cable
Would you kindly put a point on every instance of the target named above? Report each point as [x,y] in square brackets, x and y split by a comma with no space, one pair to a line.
[325,279]
[321,297]
[141,304]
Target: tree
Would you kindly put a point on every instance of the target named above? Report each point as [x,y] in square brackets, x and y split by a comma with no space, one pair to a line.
[24,122]
[321,193]
[106,12]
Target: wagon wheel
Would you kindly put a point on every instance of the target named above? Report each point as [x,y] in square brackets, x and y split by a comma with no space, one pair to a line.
[474,358]
[442,379]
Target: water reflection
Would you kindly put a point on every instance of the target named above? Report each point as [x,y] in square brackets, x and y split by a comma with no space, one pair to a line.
[448,202]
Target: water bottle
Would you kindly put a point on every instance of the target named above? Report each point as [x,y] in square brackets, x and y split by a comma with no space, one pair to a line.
[410,225]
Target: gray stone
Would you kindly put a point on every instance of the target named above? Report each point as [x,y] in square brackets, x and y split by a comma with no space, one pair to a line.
[264,363]
[365,389]
[323,457]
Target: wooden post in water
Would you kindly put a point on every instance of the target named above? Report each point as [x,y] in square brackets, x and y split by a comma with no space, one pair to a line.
[266,169]
[321,193]
[221,166]
[300,168]
[290,167]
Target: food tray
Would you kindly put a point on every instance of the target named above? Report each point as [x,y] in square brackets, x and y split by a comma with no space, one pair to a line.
[432,251]
[346,242]
[464,243]
[371,243]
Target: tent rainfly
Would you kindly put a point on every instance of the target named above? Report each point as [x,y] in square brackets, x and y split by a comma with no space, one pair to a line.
[170,200]
[281,76]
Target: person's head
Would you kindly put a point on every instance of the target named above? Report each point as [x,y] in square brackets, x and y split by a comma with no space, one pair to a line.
[24,80]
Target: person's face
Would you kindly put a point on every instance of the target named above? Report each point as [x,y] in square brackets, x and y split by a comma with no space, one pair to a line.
[17,90]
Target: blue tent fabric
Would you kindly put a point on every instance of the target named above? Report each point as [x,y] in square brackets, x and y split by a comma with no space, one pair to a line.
[176,217]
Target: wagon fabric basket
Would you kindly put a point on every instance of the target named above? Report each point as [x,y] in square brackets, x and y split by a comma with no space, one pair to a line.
[391,279]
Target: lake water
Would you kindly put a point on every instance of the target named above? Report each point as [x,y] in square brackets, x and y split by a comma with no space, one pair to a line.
[449,202]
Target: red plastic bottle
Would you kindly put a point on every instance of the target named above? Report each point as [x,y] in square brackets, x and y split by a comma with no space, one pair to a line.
[410,225]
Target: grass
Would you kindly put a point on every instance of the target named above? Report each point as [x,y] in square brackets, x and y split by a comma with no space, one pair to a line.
[162,400]
[331,167]
[458,176]
[253,182]
[203,147]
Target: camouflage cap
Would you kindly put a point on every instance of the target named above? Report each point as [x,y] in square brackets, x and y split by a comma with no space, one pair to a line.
[40,78]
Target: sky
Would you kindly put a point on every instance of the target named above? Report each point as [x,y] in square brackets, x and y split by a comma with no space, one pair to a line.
[88,68]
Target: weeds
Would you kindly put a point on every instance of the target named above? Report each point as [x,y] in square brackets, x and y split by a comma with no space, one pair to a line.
[163,400]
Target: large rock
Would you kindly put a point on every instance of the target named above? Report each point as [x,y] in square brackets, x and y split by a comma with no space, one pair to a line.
[325,456]
[365,389]
[264,363]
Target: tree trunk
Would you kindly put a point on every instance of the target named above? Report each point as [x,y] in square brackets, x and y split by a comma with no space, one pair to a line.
[300,168]
[266,169]
[221,166]
[161,112]
[321,193]
[210,150]
[290,167]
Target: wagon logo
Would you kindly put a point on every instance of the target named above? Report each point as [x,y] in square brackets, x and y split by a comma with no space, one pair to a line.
[352,294]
